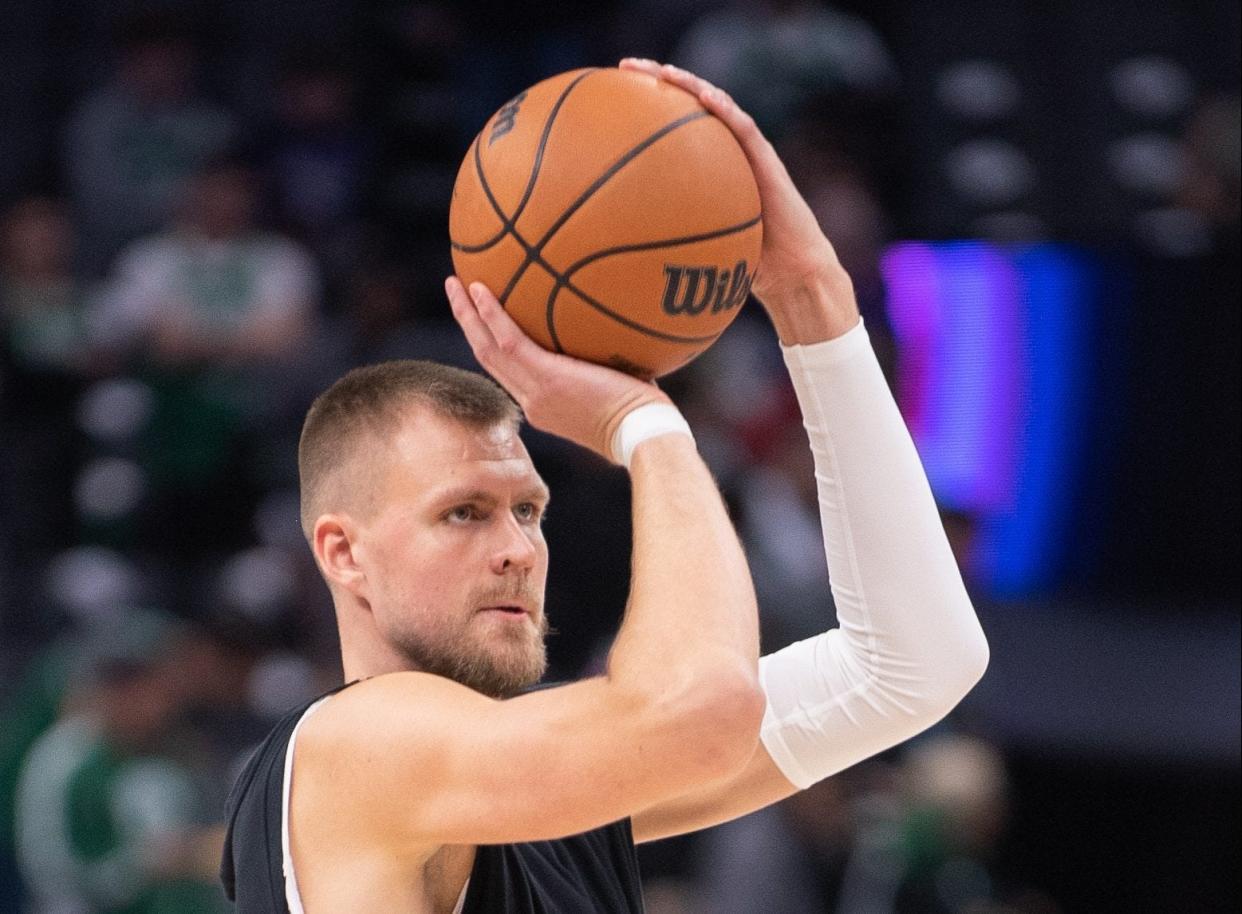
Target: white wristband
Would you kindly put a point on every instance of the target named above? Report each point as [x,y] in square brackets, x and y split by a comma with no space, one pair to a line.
[649,421]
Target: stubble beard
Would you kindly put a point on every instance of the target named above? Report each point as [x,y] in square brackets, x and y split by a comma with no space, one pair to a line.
[498,664]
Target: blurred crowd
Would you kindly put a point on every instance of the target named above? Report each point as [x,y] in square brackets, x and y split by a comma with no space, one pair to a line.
[216,244]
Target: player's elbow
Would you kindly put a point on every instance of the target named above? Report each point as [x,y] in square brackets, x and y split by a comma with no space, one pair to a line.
[978,656]
[718,720]
[960,669]
[731,718]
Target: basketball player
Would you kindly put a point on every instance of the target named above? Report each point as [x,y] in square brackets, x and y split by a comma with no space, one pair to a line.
[438,781]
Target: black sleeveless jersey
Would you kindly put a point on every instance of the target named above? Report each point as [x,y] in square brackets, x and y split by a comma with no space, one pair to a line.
[592,873]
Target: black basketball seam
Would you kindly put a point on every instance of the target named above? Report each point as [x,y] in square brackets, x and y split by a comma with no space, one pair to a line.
[619,318]
[613,169]
[563,279]
[504,225]
[487,190]
[670,243]
[543,142]
[556,340]
[508,224]
[532,256]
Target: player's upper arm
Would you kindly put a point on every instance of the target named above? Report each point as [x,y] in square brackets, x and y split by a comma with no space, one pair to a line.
[413,758]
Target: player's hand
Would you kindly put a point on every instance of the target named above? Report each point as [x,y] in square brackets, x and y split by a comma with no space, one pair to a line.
[568,397]
[799,279]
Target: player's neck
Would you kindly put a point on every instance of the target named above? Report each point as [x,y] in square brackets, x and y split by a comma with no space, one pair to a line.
[363,657]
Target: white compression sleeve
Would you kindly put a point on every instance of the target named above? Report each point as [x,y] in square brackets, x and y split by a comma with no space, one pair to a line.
[909,645]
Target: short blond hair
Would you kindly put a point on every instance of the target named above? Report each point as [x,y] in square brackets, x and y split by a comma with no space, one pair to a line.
[372,399]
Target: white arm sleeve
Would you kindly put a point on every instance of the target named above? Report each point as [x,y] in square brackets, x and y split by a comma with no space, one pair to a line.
[909,645]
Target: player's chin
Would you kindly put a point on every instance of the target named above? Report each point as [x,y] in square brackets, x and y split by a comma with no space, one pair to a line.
[513,674]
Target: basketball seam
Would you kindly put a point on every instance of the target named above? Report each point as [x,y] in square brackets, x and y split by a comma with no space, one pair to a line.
[504,224]
[563,281]
[508,225]
[669,243]
[543,142]
[487,190]
[622,319]
[615,167]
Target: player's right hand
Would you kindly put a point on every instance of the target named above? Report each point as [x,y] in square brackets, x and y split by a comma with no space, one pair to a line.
[799,279]
[577,400]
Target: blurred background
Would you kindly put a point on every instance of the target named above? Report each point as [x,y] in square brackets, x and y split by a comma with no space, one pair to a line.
[210,210]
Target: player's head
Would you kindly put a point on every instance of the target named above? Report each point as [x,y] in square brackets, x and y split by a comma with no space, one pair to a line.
[423,510]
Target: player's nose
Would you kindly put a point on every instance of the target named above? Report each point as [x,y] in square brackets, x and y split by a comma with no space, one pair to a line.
[515,549]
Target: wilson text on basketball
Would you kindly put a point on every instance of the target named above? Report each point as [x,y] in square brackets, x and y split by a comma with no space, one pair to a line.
[506,117]
[693,290]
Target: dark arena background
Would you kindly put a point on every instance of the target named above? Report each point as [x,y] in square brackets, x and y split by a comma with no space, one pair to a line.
[1039,204]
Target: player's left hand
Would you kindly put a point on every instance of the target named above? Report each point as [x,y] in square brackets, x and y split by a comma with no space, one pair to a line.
[799,281]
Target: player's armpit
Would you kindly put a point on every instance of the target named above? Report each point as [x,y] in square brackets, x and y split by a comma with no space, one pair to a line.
[757,785]
[410,759]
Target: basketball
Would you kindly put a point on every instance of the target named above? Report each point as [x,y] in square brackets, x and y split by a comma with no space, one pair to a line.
[614,217]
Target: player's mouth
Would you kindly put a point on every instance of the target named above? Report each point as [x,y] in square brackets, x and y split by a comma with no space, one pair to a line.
[513,610]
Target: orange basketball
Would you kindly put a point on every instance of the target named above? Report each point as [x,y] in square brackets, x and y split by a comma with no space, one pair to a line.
[614,217]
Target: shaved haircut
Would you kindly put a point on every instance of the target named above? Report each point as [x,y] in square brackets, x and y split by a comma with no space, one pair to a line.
[370,401]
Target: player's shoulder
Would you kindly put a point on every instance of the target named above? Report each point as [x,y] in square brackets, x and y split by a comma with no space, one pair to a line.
[386,710]
[372,758]
[403,711]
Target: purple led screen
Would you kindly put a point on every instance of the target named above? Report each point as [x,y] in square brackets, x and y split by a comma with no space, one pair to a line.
[991,379]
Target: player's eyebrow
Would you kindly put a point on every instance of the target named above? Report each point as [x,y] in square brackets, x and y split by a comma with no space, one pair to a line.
[536,492]
[463,495]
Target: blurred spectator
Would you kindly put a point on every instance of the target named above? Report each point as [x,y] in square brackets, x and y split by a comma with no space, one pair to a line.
[131,143]
[1212,185]
[42,306]
[835,168]
[31,705]
[793,857]
[776,56]
[214,288]
[384,319]
[751,436]
[106,822]
[957,805]
[919,838]
[217,309]
[83,587]
[780,527]
[45,354]
[319,157]
[510,46]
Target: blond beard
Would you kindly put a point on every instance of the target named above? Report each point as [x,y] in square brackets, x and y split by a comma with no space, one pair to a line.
[499,667]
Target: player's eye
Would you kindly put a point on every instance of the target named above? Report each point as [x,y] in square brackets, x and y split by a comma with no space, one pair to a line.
[462,514]
[528,512]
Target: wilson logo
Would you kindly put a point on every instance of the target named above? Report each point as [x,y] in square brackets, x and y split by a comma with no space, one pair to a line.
[506,117]
[693,290]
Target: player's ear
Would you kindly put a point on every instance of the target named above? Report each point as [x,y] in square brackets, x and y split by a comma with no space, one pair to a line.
[334,542]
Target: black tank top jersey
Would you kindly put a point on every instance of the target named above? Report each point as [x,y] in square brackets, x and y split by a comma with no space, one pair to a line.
[592,873]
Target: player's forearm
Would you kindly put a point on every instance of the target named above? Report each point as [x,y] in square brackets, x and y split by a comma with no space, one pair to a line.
[896,583]
[692,607]
[909,645]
